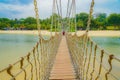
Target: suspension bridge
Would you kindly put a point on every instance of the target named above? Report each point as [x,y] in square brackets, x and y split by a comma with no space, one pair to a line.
[64,57]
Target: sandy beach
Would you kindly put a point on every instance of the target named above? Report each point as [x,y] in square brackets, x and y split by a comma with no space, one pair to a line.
[33,32]
[101,33]
[45,32]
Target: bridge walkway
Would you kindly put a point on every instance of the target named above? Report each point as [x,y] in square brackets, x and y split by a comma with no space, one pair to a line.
[62,69]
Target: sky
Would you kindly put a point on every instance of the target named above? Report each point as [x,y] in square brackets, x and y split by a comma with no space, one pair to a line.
[25,8]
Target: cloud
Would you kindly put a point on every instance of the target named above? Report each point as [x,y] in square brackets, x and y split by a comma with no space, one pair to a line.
[19,11]
[82,5]
[25,8]
[16,11]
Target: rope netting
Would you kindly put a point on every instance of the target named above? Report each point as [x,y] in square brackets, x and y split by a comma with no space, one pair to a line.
[37,64]
[90,61]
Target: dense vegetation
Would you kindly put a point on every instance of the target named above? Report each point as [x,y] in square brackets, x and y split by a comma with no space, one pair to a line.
[100,21]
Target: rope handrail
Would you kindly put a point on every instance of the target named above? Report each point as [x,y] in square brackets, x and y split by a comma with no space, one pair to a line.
[33,61]
[80,45]
[105,51]
[87,57]
[112,74]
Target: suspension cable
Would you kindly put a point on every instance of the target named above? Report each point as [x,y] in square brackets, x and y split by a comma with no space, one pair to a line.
[59,13]
[90,16]
[37,18]
[71,8]
[68,8]
[52,16]
[74,14]
[67,14]
[58,8]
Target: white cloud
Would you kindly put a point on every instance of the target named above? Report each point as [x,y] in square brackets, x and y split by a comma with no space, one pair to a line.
[45,7]
[83,5]
[22,10]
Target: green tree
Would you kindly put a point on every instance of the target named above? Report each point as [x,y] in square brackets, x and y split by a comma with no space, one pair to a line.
[31,27]
[55,17]
[30,20]
[29,23]
[114,20]
[4,23]
[82,17]
[100,20]
[79,24]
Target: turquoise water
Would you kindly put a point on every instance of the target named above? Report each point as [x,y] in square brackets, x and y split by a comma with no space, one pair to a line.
[14,46]
[110,44]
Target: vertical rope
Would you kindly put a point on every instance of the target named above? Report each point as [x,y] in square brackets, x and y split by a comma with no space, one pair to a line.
[100,67]
[90,16]
[45,58]
[60,14]
[67,14]
[21,66]
[55,18]
[38,60]
[110,64]
[78,55]
[41,60]
[89,60]
[86,53]
[35,62]
[37,18]
[9,72]
[94,60]
[72,16]
[60,7]
[52,21]
[47,61]
[28,59]
[54,14]
[81,58]
[41,51]
[70,6]
[82,55]
[74,13]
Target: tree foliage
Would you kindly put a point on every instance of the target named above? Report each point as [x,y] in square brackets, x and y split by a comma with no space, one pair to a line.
[81,20]
[99,21]
[114,20]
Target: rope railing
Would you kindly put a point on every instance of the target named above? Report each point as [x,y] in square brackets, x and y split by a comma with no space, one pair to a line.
[90,61]
[37,64]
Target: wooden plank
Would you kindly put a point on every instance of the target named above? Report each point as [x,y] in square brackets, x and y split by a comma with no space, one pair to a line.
[62,69]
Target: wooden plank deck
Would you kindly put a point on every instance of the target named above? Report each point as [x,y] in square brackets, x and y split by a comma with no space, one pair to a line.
[62,69]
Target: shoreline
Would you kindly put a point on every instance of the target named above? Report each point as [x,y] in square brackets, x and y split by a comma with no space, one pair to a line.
[45,32]
[31,32]
[104,33]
